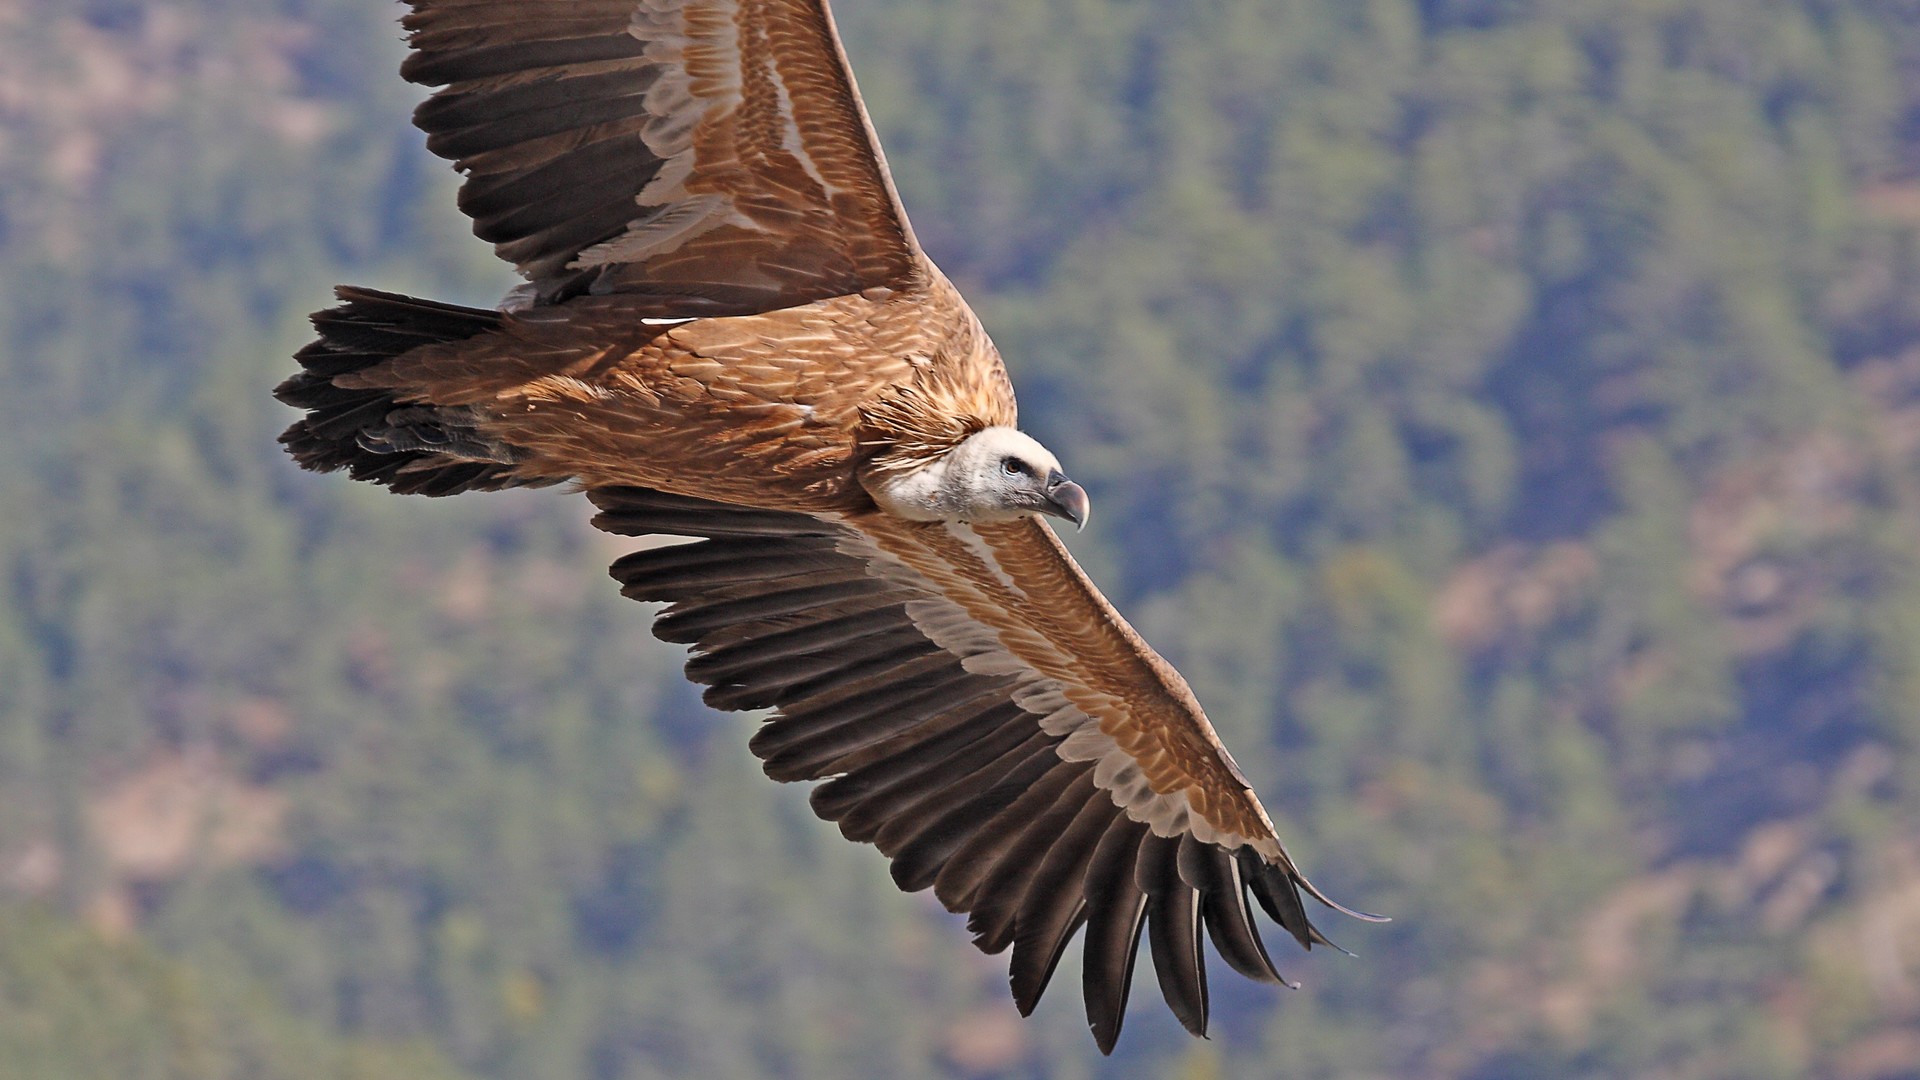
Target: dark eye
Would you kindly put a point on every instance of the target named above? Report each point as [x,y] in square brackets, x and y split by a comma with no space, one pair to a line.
[1012,466]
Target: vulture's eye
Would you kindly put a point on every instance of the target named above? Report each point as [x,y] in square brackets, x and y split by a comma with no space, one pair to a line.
[1012,466]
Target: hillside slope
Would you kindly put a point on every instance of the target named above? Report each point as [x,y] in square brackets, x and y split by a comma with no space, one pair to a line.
[1506,413]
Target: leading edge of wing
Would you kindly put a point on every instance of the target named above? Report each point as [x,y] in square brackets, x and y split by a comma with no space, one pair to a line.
[959,761]
[715,151]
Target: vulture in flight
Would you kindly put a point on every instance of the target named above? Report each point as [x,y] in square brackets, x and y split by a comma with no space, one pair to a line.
[728,334]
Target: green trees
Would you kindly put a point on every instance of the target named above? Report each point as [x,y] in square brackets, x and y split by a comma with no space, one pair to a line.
[76,1007]
[1502,412]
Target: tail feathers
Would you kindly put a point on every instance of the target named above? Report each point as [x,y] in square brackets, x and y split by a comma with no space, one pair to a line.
[375,434]
[449,431]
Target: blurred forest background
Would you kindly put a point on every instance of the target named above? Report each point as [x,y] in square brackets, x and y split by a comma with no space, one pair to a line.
[1506,412]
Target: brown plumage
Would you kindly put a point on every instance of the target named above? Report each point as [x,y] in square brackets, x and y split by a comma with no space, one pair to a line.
[729,334]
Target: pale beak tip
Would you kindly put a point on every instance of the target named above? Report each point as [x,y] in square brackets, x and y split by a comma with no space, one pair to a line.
[1070,501]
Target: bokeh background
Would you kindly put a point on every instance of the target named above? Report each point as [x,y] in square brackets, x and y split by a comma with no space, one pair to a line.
[1506,412]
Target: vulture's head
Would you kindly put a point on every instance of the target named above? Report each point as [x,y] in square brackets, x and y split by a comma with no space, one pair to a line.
[995,474]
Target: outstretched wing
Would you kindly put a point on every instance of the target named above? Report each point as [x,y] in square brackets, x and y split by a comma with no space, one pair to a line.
[982,715]
[714,152]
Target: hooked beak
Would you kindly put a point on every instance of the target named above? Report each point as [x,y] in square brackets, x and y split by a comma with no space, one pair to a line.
[1066,499]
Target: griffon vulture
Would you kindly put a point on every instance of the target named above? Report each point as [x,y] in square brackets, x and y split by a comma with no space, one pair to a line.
[728,333]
